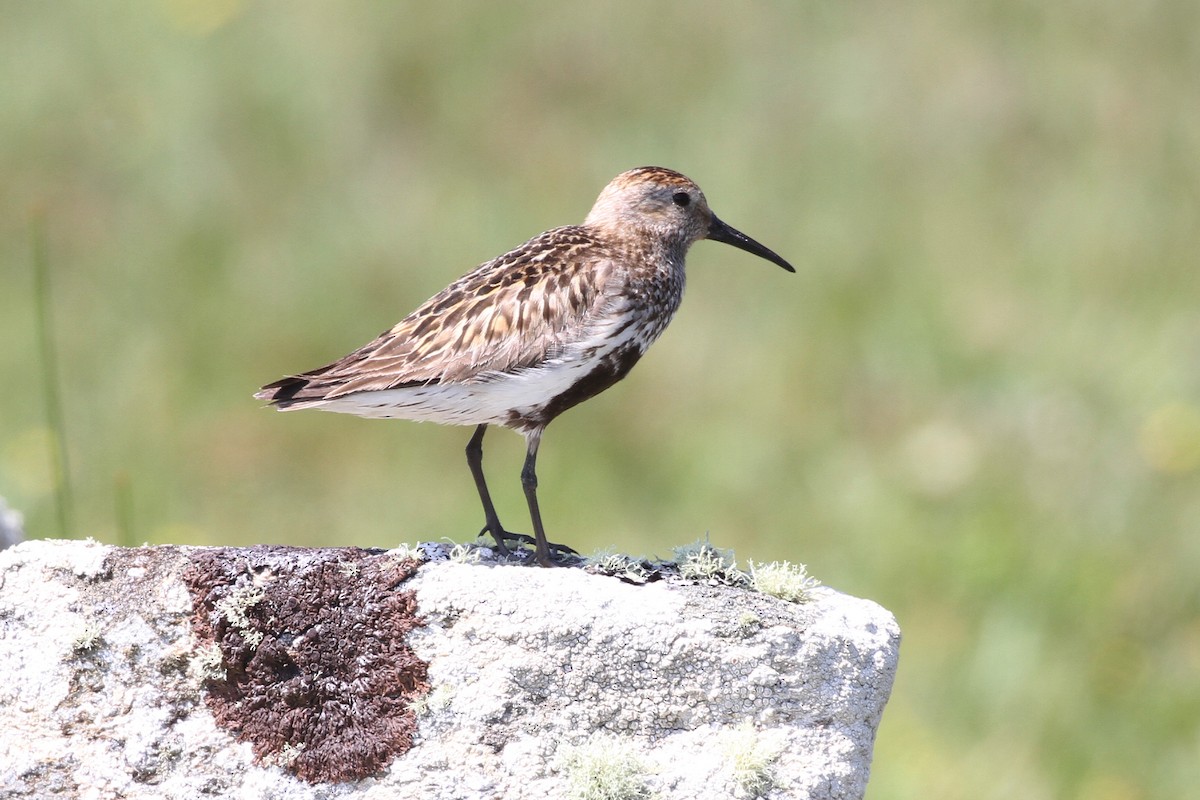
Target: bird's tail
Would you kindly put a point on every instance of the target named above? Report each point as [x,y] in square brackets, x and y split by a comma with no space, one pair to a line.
[291,392]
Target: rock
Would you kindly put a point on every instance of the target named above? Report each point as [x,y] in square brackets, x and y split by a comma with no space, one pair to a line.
[273,672]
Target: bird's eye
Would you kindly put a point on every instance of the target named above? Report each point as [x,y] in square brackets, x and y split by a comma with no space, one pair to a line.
[682,199]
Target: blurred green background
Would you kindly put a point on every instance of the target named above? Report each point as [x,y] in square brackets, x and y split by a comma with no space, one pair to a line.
[978,401]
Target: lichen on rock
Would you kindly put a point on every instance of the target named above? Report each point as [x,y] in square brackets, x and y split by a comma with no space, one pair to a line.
[347,674]
[318,674]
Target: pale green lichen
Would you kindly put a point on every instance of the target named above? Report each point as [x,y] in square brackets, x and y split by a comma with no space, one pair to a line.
[465,554]
[284,757]
[749,762]
[610,562]
[88,638]
[784,580]
[234,608]
[432,702]
[748,624]
[406,552]
[207,664]
[700,561]
[603,769]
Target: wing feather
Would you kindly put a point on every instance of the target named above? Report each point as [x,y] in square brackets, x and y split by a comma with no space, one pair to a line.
[508,314]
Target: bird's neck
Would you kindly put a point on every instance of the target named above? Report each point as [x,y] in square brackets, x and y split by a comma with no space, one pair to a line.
[642,243]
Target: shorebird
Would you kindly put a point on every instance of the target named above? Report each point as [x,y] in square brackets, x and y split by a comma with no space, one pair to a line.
[524,337]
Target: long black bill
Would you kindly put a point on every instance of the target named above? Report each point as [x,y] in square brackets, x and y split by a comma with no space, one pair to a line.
[720,232]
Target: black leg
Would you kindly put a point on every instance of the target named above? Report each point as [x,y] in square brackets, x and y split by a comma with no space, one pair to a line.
[529,484]
[542,548]
[475,462]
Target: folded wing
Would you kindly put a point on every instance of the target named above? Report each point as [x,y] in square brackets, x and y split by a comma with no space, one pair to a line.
[509,314]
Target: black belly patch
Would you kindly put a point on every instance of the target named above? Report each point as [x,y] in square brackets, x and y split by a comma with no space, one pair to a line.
[611,369]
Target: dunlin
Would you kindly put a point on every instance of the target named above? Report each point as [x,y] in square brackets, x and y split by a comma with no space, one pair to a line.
[522,338]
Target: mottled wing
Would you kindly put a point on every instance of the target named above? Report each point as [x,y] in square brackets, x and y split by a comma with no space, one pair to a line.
[511,313]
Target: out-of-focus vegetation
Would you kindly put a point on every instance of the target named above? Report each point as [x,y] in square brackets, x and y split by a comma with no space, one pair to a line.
[978,402]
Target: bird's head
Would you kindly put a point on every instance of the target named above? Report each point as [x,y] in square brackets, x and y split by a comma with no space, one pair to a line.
[667,205]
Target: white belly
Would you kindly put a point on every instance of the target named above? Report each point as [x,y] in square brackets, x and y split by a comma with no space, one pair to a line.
[492,401]
[494,398]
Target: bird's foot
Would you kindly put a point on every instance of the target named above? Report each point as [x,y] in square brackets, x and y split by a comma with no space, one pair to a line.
[560,554]
[555,549]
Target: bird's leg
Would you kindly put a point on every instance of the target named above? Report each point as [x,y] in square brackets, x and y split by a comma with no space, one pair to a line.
[493,526]
[475,462]
[542,547]
[529,484]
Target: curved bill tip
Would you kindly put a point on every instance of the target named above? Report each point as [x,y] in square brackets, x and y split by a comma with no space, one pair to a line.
[718,231]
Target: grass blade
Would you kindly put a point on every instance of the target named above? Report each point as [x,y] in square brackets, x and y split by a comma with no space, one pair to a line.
[52,393]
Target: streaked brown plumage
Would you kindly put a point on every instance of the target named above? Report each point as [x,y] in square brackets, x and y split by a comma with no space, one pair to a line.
[524,337]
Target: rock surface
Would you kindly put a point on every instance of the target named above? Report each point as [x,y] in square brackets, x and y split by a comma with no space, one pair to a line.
[175,672]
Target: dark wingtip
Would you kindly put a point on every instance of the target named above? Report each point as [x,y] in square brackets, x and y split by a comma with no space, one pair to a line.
[281,393]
